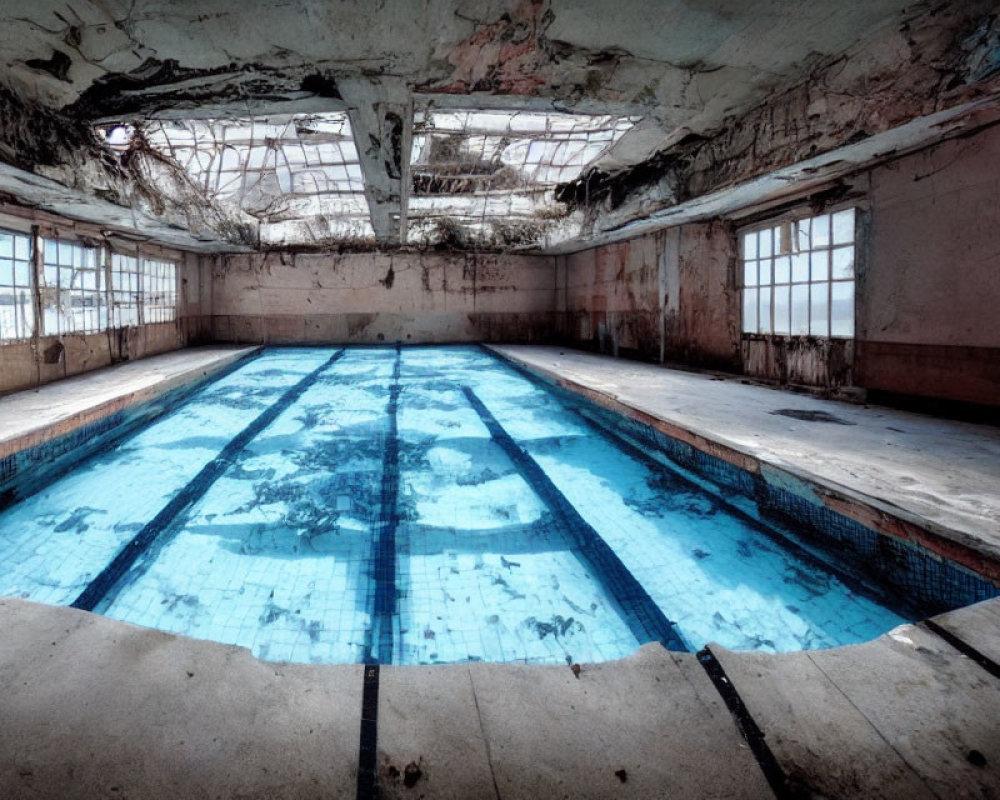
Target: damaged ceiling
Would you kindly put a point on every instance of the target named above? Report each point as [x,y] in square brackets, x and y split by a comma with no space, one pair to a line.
[296,123]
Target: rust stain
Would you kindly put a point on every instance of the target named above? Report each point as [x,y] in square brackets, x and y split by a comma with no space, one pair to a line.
[508,56]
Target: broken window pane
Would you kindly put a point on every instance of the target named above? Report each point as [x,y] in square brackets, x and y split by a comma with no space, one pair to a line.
[843,262]
[297,177]
[489,177]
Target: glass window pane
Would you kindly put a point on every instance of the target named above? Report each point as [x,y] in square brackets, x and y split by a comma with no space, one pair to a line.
[750,311]
[22,248]
[843,262]
[764,242]
[800,310]
[820,265]
[765,310]
[22,273]
[782,322]
[782,269]
[800,268]
[819,324]
[6,245]
[821,231]
[842,310]
[843,227]
[765,272]
[750,245]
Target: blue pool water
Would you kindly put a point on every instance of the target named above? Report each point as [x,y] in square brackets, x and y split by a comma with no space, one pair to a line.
[410,506]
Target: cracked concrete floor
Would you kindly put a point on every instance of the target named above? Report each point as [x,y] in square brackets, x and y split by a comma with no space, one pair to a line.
[93,707]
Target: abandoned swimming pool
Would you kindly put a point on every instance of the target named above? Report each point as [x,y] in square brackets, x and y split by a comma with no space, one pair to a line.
[415,505]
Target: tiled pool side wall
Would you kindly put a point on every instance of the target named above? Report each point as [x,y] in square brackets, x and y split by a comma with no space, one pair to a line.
[933,582]
[27,471]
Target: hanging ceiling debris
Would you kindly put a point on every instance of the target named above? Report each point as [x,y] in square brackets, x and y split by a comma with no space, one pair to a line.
[531,123]
[488,178]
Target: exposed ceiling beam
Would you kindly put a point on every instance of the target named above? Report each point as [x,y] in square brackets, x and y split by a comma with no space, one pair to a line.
[381,114]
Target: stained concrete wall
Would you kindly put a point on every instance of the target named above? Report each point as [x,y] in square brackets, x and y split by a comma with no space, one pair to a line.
[24,365]
[928,288]
[929,319]
[377,297]
[667,296]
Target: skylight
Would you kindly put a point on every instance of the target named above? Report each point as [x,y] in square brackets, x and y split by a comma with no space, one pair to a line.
[477,178]
[299,176]
[490,175]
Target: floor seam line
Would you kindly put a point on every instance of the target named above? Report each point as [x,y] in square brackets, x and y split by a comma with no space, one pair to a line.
[486,741]
[874,727]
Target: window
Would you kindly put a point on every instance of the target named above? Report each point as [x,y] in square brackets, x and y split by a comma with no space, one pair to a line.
[125,285]
[159,291]
[74,290]
[17,304]
[798,277]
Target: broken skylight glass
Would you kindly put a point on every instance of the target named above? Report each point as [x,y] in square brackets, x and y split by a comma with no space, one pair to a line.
[299,176]
[489,176]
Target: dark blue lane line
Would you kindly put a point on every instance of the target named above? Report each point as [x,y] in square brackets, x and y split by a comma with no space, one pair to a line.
[963,647]
[379,640]
[747,726]
[384,569]
[368,750]
[193,491]
[645,619]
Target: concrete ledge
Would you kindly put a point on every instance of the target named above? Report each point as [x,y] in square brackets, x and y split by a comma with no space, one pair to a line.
[33,417]
[896,484]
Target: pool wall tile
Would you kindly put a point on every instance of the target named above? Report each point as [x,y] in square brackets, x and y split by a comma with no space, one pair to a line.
[26,471]
[929,580]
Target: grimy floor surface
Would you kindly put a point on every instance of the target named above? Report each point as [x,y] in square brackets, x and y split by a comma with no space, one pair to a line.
[92,707]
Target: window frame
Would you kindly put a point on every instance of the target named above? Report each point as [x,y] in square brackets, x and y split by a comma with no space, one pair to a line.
[56,266]
[817,257]
[24,330]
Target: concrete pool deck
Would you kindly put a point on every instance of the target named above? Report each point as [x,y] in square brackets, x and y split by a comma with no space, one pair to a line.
[917,477]
[93,707]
